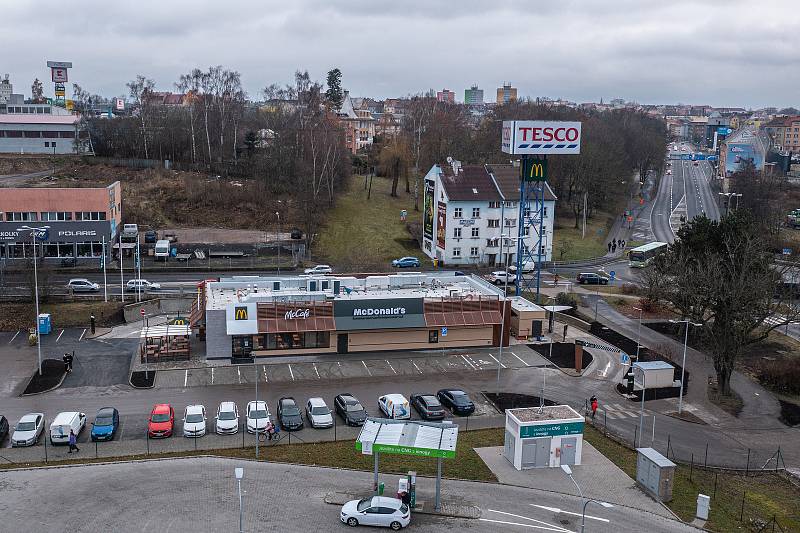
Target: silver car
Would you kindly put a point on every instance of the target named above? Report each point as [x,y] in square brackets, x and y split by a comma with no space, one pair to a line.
[82,285]
[318,413]
[28,430]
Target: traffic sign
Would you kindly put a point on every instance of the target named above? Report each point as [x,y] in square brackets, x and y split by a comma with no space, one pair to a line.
[612,274]
[787,251]
[141,311]
[444,332]
[624,358]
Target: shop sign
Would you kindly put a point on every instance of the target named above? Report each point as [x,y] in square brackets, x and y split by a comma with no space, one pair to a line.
[59,231]
[404,450]
[240,318]
[427,210]
[551,430]
[294,314]
[541,137]
[467,222]
[441,225]
[385,313]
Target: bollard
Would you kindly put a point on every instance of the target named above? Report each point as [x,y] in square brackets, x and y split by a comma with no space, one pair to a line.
[333,415]
[715,484]
[244,431]
[147,439]
[95,449]
[45,448]
[290,436]
[195,443]
[747,468]
[635,435]
[691,468]
[705,463]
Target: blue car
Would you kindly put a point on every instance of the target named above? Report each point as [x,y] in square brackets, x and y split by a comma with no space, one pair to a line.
[105,424]
[404,262]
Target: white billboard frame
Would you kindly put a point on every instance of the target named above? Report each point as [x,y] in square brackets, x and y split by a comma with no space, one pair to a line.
[541,137]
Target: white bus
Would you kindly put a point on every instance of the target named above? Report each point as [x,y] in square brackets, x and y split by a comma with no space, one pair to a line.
[641,256]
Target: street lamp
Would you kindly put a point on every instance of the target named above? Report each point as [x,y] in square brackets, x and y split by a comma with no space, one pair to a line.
[685,342]
[278,240]
[639,334]
[568,471]
[34,231]
[506,239]
[728,195]
[239,472]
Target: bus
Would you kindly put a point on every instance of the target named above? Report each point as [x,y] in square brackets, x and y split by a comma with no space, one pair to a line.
[641,256]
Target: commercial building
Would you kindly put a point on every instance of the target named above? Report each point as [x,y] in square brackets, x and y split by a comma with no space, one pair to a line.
[466,210]
[506,94]
[741,146]
[250,316]
[473,96]
[447,96]
[39,132]
[79,219]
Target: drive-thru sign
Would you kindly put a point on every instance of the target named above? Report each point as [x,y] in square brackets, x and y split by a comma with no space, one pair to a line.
[541,137]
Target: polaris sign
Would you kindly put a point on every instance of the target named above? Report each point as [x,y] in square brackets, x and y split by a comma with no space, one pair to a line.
[541,137]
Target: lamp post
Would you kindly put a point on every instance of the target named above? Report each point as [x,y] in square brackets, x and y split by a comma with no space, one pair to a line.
[639,334]
[568,471]
[683,366]
[239,473]
[641,410]
[278,240]
[506,240]
[728,196]
[34,231]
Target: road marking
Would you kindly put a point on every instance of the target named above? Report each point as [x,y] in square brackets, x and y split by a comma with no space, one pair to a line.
[14,337]
[185,377]
[550,527]
[562,511]
[82,334]
[212,375]
[264,368]
[415,366]
[520,359]
[315,370]
[604,372]
[239,374]
[390,366]
[467,361]
[504,522]
[290,370]
[59,336]
[366,368]
[496,360]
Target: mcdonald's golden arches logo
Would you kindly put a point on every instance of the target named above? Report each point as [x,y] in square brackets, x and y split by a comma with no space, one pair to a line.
[534,170]
[240,313]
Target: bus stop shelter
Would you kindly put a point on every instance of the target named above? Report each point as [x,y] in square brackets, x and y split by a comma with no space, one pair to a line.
[409,437]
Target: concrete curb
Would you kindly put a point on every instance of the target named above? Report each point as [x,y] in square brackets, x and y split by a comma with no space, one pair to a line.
[48,390]
[130,377]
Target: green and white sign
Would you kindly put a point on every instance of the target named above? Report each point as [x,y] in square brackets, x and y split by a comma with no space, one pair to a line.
[551,430]
[404,450]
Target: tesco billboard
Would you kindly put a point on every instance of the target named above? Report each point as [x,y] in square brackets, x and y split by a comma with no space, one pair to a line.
[541,137]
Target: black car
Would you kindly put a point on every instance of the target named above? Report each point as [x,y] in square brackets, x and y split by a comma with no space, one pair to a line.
[457,400]
[428,406]
[3,428]
[289,416]
[591,278]
[350,409]
[296,234]
[150,236]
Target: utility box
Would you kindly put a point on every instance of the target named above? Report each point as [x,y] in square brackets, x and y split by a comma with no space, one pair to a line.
[544,437]
[45,324]
[656,374]
[655,474]
[703,506]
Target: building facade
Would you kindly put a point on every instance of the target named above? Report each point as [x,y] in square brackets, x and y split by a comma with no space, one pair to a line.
[359,125]
[79,220]
[473,96]
[467,209]
[506,94]
[447,96]
[785,133]
[741,146]
[39,133]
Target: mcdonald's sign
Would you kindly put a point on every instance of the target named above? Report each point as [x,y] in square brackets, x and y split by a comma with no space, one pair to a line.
[240,313]
[534,169]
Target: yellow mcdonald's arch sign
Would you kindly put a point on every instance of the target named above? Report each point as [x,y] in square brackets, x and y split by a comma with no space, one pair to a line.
[534,169]
[240,313]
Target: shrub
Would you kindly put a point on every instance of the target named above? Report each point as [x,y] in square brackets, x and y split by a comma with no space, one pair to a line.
[782,375]
[564,298]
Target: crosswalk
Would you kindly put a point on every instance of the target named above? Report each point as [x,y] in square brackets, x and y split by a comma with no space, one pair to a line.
[775,320]
[616,411]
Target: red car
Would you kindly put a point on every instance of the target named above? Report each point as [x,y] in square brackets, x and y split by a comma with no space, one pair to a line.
[161,422]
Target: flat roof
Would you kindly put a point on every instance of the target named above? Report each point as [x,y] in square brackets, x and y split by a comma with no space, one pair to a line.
[548,412]
[426,439]
[521,304]
[653,365]
[37,118]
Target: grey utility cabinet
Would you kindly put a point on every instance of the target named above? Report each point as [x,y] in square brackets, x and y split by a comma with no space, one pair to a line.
[655,473]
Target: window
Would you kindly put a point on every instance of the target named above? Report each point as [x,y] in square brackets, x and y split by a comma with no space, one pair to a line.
[510,204]
[543,250]
[46,144]
[32,134]
[545,211]
[494,223]
[90,215]
[14,134]
[476,212]
[473,252]
[55,215]
[456,252]
[494,205]
[21,217]
[511,222]
[433,336]
[527,212]
[457,212]
[475,233]
[527,231]
[457,233]
[492,243]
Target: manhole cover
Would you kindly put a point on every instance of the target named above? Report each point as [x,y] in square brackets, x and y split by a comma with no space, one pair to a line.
[564,522]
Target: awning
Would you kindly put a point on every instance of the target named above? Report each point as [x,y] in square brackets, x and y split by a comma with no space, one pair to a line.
[467,318]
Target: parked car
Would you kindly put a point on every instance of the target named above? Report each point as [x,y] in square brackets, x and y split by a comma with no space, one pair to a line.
[318,413]
[69,262]
[82,285]
[527,267]
[406,262]
[319,269]
[142,285]
[161,422]
[257,415]
[3,428]
[28,430]
[227,419]
[394,406]
[130,232]
[296,234]
[289,416]
[105,424]
[150,236]
[590,278]
[499,277]
[65,422]
[376,511]
[428,406]
[194,421]
[457,401]
[350,409]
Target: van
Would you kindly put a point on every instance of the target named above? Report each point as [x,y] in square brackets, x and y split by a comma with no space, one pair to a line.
[130,232]
[162,249]
[394,406]
[63,423]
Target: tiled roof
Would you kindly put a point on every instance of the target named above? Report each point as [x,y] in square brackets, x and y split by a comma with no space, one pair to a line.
[471,183]
[507,178]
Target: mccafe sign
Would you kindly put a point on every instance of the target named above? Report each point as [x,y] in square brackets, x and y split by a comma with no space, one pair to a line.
[294,314]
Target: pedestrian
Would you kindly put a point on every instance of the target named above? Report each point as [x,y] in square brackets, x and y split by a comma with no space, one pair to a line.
[555,280]
[594,405]
[73,442]
[623,243]
[65,358]
[614,248]
[609,246]
[70,357]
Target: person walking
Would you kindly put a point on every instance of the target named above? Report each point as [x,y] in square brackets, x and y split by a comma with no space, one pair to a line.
[73,442]
[614,248]
[609,246]
[70,357]
[65,358]
[593,401]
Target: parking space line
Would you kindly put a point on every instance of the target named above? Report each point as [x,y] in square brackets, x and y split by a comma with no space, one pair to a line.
[264,368]
[521,360]
[212,375]
[464,357]
[82,334]
[366,367]
[185,376]
[496,360]
[316,371]
[59,336]
[14,337]
[550,527]
[415,366]
[390,366]
[290,370]
[239,374]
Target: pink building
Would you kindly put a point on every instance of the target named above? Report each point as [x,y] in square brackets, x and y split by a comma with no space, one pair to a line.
[446,95]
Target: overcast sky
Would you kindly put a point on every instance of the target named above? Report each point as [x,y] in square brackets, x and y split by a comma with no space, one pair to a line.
[717,52]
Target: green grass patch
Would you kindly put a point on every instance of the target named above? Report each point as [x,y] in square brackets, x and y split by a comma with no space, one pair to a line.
[368,233]
[63,315]
[569,239]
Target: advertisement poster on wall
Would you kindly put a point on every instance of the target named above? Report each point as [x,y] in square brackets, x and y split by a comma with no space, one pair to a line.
[441,225]
[427,216]
[738,153]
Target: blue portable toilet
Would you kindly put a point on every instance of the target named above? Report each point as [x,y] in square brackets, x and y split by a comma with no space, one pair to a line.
[45,325]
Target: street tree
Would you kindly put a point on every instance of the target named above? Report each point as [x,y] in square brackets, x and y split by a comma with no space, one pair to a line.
[141,91]
[334,94]
[37,92]
[395,162]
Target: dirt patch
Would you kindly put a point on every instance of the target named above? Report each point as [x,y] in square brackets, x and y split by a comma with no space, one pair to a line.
[732,404]
[790,413]
[63,315]
[650,310]
[563,354]
[689,417]
[52,374]
[143,379]
[507,400]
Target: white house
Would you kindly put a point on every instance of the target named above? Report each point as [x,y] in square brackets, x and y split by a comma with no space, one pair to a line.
[467,208]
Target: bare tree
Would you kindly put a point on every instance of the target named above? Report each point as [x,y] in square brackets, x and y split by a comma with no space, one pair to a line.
[141,90]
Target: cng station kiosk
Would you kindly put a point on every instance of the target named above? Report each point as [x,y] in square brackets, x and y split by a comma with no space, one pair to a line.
[542,437]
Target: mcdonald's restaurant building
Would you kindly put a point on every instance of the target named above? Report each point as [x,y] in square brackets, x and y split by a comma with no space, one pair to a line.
[248,317]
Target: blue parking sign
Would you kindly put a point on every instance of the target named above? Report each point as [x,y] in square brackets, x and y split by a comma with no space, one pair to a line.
[623,358]
[612,274]
[444,332]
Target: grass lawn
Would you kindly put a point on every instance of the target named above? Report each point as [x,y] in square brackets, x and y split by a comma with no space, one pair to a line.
[362,233]
[568,238]
[63,315]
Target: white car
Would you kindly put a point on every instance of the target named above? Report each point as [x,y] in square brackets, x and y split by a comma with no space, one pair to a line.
[64,423]
[194,421]
[376,511]
[82,285]
[319,269]
[257,416]
[527,268]
[318,413]
[394,406]
[498,277]
[141,285]
[28,430]
[227,419]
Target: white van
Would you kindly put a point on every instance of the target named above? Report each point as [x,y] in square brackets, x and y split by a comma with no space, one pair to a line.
[162,249]
[394,406]
[63,423]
